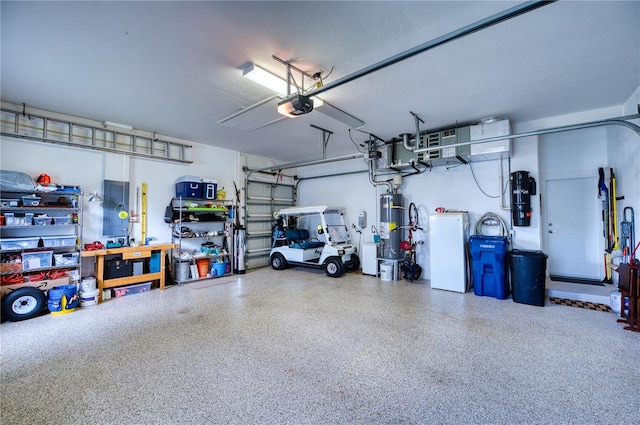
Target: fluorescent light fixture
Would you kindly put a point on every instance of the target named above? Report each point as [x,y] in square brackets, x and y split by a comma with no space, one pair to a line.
[266,79]
[117,125]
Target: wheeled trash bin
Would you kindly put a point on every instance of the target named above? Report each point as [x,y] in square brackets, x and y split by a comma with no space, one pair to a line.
[528,270]
[489,266]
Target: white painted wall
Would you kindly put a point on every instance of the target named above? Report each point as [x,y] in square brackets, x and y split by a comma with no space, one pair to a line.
[455,188]
[452,188]
[569,155]
[88,168]
[623,146]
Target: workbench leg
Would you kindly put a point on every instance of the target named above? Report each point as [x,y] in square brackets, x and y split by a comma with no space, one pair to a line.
[162,266]
[100,276]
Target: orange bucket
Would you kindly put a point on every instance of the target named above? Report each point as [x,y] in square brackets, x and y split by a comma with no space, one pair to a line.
[203,266]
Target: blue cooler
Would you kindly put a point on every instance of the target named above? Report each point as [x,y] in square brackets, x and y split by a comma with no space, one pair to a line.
[489,266]
[189,187]
[209,189]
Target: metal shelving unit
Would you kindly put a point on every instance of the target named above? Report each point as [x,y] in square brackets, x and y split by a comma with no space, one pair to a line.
[40,242]
[210,226]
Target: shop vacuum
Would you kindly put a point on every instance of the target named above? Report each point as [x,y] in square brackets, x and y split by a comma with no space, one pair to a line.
[522,187]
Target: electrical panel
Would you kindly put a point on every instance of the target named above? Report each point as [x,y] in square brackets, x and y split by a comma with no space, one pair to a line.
[362,219]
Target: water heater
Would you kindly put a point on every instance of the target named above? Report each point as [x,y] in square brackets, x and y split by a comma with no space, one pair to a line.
[522,187]
[391,213]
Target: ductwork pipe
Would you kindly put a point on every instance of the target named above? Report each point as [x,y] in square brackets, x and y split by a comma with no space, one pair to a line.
[615,121]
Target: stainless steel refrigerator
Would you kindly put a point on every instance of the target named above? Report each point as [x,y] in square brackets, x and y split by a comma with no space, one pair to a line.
[448,235]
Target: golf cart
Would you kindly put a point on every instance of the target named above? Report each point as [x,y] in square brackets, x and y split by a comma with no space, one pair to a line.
[330,247]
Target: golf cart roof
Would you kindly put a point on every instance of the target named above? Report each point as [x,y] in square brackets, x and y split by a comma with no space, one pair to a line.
[316,209]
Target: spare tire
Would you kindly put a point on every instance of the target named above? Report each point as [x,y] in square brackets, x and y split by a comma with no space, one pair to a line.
[23,303]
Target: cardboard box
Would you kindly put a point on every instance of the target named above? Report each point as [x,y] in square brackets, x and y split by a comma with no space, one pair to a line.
[43,284]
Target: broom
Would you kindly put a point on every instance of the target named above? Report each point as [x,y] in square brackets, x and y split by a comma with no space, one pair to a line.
[615,250]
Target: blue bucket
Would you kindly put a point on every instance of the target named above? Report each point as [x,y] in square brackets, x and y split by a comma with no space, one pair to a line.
[63,299]
[219,268]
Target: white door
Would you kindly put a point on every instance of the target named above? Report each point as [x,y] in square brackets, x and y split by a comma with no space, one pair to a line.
[574,228]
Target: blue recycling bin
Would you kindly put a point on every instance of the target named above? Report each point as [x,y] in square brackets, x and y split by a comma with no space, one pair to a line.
[489,266]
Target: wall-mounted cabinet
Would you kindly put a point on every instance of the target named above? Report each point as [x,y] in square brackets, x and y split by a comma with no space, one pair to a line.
[202,229]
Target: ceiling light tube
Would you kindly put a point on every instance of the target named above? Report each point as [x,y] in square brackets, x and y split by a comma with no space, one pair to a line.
[266,79]
[117,125]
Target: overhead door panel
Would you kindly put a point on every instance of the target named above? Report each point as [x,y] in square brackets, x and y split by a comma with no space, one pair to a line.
[265,194]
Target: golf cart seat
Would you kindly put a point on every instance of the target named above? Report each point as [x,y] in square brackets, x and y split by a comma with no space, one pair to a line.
[299,238]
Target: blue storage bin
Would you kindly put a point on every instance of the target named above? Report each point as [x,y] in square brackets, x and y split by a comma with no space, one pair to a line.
[154,262]
[489,266]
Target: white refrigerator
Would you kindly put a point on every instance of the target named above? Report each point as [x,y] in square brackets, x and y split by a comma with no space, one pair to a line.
[448,235]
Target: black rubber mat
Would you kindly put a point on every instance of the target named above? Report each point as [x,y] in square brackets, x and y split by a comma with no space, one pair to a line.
[581,304]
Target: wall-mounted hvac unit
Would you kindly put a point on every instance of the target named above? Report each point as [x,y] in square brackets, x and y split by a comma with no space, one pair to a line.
[491,127]
[447,154]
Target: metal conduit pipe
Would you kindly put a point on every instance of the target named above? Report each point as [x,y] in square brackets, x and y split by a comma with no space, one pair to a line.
[375,182]
[296,164]
[453,35]
[346,173]
[614,121]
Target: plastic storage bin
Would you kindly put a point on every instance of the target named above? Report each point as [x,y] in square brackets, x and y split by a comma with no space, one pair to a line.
[62,221]
[489,266]
[154,262]
[42,221]
[55,241]
[19,243]
[132,289]
[528,270]
[36,260]
[9,202]
[30,201]
[69,259]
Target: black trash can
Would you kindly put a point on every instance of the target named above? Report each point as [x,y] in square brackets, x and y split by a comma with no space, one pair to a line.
[528,270]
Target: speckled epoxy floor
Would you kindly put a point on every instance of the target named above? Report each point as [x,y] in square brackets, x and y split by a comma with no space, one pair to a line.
[297,347]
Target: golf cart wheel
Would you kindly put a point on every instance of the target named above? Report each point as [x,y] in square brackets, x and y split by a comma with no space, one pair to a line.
[23,303]
[353,263]
[333,267]
[278,262]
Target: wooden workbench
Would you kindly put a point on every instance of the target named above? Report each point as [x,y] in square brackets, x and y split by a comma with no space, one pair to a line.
[128,253]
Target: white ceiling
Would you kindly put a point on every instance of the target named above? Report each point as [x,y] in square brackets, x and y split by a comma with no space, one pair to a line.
[175,67]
